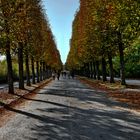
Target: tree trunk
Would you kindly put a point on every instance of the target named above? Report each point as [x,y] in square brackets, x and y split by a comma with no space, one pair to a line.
[94,70]
[20,64]
[104,70]
[27,70]
[9,69]
[41,71]
[88,70]
[37,71]
[111,69]
[44,72]
[91,70]
[33,70]
[97,70]
[84,70]
[8,55]
[122,64]
[49,72]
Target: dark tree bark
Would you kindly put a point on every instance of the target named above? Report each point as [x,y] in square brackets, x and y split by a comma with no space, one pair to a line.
[27,69]
[88,70]
[41,73]
[97,70]
[20,64]
[94,70]
[44,71]
[9,69]
[9,61]
[104,69]
[82,71]
[122,64]
[47,72]
[91,70]
[111,69]
[37,71]
[33,70]
[50,71]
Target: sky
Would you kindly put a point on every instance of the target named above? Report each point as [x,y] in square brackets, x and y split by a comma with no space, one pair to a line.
[61,14]
[2,57]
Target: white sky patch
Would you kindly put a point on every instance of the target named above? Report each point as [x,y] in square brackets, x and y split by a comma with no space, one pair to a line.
[2,57]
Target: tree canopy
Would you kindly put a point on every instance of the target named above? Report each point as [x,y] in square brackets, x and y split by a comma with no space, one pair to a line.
[103,29]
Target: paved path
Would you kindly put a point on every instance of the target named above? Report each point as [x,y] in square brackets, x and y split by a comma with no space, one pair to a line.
[69,110]
[128,82]
[132,82]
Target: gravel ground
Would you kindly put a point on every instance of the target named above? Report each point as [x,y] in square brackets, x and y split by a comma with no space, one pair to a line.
[69,110]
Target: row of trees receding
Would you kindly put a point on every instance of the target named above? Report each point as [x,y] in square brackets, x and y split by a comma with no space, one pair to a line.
[102,30]
[25,32]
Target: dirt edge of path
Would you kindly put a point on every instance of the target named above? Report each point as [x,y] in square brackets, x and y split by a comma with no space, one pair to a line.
[6,112]
[120,93]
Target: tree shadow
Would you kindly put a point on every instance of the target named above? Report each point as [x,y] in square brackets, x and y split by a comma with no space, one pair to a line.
[76,122]
[87,125]
[63,122]
[86,95]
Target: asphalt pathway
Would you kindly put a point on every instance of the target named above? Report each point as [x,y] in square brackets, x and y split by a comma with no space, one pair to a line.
[69,110]
[128,82]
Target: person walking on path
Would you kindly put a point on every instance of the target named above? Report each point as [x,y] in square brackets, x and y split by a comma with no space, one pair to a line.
[58,75]
[68,74]
[72,74]
[65,74]
[53,75]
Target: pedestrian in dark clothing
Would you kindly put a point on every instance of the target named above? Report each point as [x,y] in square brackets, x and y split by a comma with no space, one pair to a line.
[58,75]
[53,76]
[65,74]
[72,74]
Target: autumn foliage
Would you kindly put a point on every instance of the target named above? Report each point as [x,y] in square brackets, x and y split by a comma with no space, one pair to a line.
[102,30]
[25,30]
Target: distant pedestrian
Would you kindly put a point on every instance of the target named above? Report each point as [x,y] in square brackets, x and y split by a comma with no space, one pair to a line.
[58,75]
[72,74]
[65,74]
[53,75]
[62,73]
[68,74]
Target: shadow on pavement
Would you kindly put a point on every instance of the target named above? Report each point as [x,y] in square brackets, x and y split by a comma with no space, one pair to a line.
[80,120]
[82,124]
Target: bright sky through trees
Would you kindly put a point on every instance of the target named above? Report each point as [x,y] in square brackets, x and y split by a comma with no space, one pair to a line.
[61,14]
